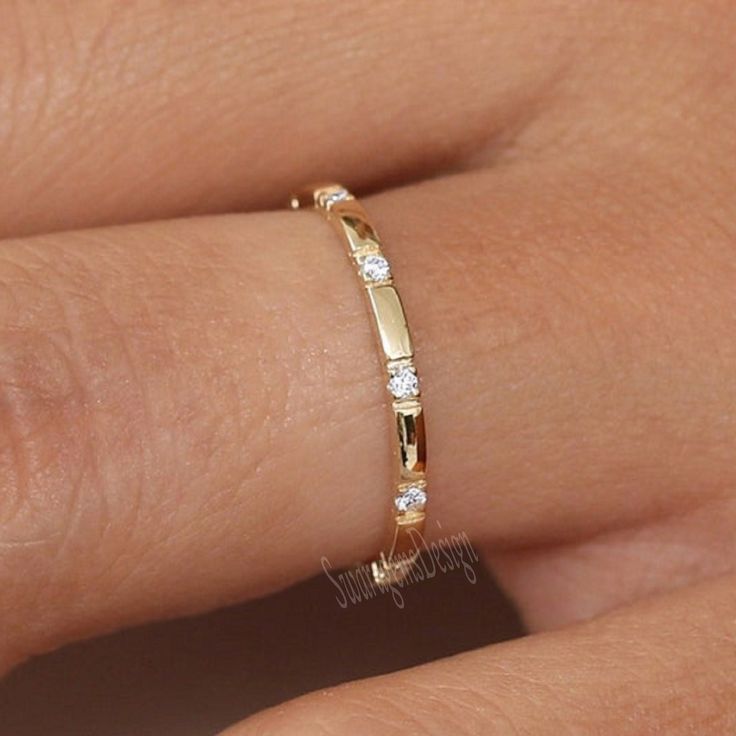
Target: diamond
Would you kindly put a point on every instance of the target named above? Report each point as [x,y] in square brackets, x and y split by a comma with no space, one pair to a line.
[404,382]
[335,196]
[412,498]
[375,268]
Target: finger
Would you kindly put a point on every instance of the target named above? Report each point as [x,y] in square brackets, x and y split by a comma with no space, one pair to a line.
[193,411]
[661,666]
[114,112]
[160,110]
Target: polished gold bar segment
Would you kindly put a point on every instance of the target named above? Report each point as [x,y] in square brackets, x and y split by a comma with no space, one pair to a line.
[393,332]
[351,221]
[412,442]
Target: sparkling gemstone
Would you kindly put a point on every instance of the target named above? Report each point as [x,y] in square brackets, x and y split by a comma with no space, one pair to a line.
[404,382]
[412,498]
[339,195]
[375,268]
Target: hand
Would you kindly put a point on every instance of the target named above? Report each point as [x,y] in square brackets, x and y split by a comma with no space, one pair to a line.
[192,409]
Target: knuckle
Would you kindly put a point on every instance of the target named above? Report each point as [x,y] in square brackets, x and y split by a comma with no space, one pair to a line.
[42,442]
[71,414]
[49,407]
[44,459]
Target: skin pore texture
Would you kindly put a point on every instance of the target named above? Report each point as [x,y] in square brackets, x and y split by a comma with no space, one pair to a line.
[183,389]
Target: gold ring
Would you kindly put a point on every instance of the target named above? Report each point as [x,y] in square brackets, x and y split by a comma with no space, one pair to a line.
[409,491]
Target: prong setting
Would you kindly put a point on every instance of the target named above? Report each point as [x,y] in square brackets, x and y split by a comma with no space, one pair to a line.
[411,498]
[375,268]
[403,382]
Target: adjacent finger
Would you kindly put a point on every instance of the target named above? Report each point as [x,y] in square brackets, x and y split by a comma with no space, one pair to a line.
[113,112]
[193,410]
[662,666]
[127,111]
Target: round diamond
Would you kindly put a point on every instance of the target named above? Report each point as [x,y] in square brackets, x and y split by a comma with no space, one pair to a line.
[404,382]
[375,268]
[338,195]
[412,498]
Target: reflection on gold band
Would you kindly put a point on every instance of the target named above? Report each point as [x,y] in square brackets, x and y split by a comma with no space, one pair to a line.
[393,332]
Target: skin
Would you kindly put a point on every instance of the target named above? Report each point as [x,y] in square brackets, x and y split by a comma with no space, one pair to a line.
[553,182]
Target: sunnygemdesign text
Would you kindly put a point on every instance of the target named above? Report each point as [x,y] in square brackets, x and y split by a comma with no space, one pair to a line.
[442,556]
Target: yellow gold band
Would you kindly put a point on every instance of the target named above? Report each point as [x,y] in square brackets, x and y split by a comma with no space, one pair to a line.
[352,225]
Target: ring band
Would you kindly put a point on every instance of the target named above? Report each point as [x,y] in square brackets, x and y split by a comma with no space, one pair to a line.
[409,495]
